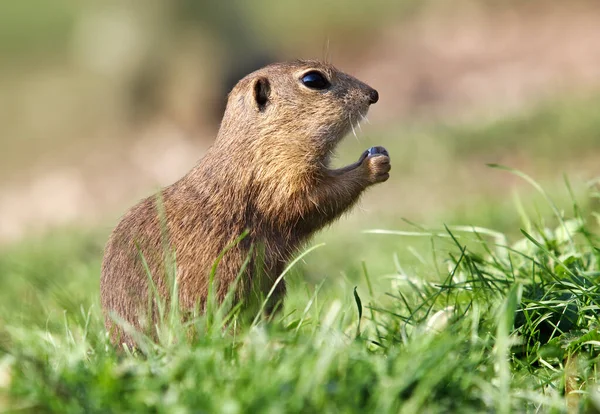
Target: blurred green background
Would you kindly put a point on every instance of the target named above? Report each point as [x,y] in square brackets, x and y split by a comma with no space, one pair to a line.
[103,102]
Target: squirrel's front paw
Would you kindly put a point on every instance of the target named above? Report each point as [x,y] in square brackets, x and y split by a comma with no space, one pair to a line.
[376,162]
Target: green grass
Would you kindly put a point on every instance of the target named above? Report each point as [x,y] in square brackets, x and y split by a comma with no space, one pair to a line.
[486,322]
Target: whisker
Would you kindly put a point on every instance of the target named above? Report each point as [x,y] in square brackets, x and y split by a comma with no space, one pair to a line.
[352,126]
[326,52]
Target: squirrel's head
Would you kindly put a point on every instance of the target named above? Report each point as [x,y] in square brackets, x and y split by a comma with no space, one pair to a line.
[306,105]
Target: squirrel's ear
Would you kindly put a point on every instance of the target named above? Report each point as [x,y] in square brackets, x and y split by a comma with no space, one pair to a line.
[262,91]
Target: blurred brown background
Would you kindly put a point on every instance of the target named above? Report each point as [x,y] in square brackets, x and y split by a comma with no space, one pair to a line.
[102,102]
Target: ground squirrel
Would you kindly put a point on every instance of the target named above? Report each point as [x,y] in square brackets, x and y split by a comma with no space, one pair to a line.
[267,173]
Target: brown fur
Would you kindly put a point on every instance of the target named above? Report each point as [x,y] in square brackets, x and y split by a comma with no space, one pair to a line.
[267,173]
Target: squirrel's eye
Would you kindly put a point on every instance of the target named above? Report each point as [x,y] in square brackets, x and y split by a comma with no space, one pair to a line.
[315,80]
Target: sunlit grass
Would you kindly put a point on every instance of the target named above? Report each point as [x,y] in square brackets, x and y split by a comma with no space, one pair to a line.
[487,322]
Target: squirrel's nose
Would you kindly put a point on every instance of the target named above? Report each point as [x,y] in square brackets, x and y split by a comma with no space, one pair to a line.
[373,96]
